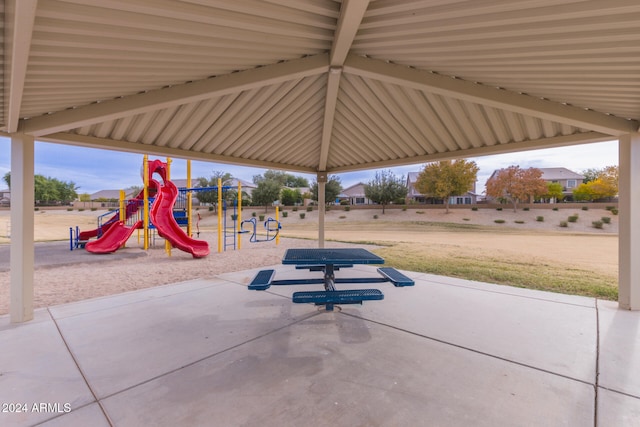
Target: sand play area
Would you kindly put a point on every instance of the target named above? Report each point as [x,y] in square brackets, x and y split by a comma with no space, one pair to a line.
[578,245]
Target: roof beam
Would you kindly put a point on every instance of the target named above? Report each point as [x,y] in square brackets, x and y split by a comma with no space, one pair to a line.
[512,147]
[140,148]
[20,20]
[351,15]
[485,95]
[176,95]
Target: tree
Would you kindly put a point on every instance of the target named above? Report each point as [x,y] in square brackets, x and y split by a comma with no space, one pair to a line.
[290,196]
[285,179]
[332,189]
[385,188]
[554,191]
[266,192]
[7,179]
[516,185]
[603,186]
[447,178]
[211,196]
[590,174]
[52,190]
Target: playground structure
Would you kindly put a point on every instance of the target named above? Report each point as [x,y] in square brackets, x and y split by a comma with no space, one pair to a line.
[165,208]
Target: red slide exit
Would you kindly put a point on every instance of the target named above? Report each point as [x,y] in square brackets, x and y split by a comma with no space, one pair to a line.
[162,217]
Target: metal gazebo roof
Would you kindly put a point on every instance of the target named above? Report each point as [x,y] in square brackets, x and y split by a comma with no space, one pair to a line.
[321,85]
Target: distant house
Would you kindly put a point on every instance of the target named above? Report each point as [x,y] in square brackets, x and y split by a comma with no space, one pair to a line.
[414,196]
[108,195]
[355,195]
[5,197]
[563,176]
[247,187]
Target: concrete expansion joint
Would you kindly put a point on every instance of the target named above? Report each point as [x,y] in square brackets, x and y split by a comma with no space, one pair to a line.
[84,377]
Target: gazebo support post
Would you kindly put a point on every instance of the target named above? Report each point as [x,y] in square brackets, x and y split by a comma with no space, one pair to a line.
[629,230]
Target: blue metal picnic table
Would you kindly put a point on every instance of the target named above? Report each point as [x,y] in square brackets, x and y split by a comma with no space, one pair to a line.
[329,261]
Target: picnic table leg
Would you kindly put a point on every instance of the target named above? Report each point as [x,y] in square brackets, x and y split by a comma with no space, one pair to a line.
[329,283]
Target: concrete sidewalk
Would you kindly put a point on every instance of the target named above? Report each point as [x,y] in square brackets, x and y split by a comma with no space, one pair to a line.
[445,352]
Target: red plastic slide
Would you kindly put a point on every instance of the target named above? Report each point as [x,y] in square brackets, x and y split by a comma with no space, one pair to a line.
[131,209]
[112,239]
[162,217]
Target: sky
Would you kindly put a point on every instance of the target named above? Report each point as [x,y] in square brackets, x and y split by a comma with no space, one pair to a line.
[93,170]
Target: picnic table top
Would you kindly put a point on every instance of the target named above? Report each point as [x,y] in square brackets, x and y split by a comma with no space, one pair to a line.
[330,256]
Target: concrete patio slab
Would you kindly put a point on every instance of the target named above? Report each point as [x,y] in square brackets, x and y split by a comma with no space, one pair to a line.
[615,409]
[553,332]
[133,343]
[36,368]
[619,349]
[210,352]
[334,369]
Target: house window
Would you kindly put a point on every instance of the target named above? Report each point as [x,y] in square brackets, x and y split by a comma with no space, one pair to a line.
[467,200]
[359,200]
[571,183]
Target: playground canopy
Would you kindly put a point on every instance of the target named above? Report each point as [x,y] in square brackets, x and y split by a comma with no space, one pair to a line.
[321,86]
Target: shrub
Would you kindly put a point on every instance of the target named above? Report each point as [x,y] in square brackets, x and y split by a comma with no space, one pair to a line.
[606,219]
[519,221]
[326,208]
[37,209]
[347,208]
[253,214]
[554,209]
[375,217]
[234,217]
[285,214]
[80,209]
[94,209]
[295,209]
[210,208]
[420,212]
[573,218]
[614,211]
[540,218]
[466,219]
[525,209]
[498,209]
[475,208]
[342,216]
[499,221]
[609,208]
[309,208]
[302,215]
[404,209]
[261,217]
[564,224]
[68,209]
[597,224]
[585,208]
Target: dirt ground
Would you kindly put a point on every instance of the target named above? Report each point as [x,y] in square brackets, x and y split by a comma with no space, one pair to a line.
[473,232]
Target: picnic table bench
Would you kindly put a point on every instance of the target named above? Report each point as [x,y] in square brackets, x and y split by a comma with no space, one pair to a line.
[328,261]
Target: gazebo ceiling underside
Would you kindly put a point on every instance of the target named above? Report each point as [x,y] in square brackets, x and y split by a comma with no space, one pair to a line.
[321,85]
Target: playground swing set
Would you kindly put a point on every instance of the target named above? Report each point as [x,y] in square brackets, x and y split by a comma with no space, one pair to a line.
[163,208]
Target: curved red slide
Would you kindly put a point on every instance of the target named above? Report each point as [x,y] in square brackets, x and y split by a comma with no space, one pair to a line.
[162,217]
[113,238]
